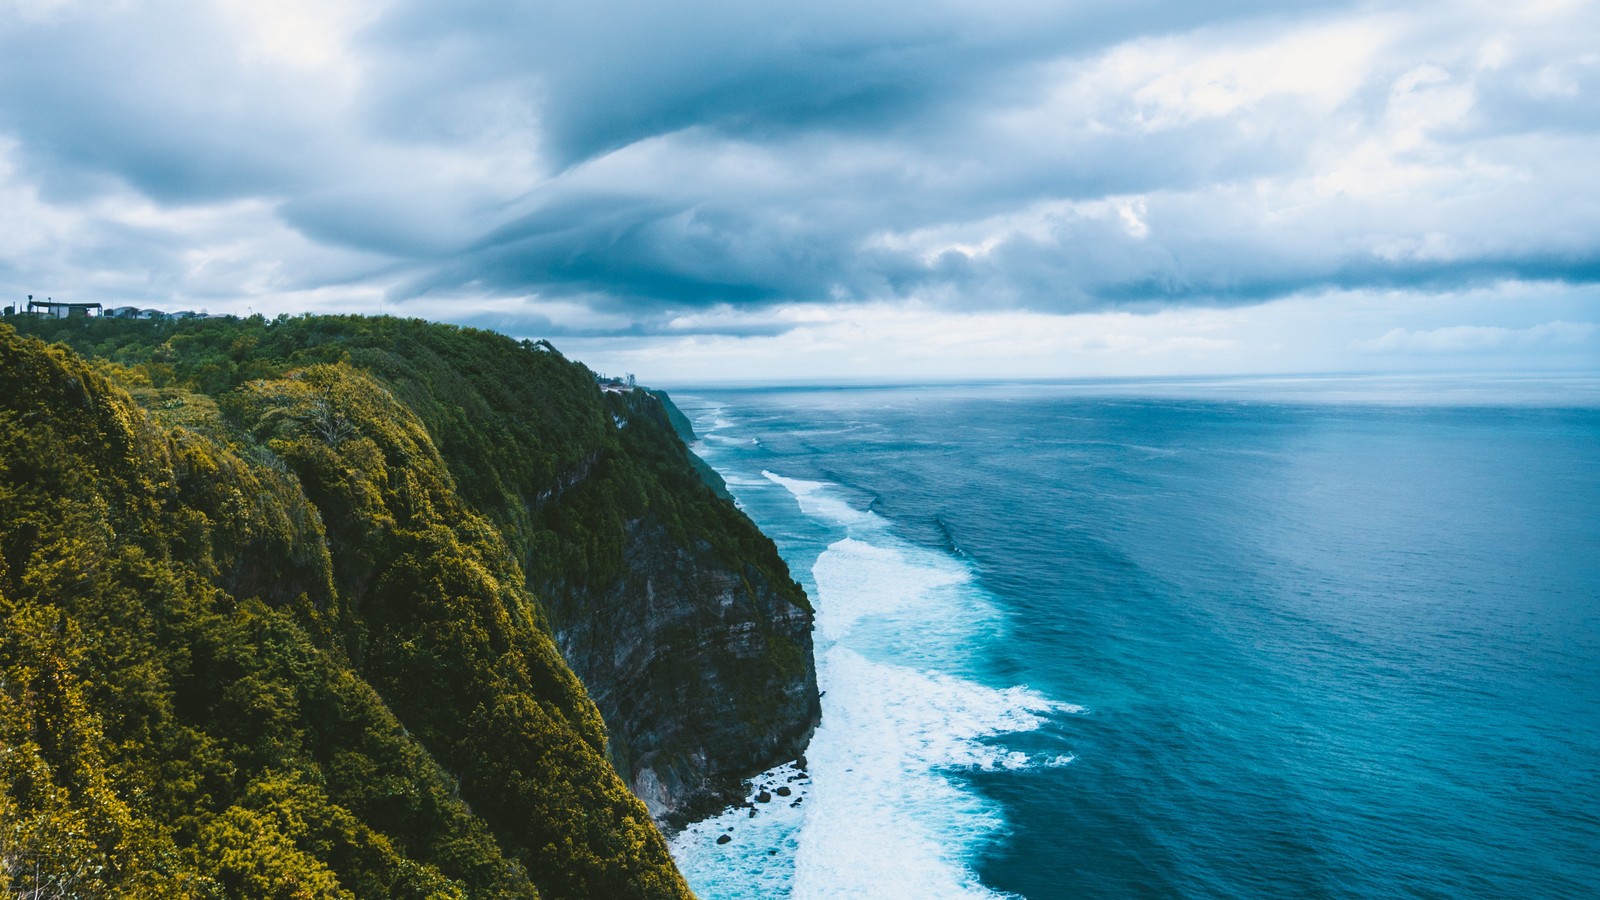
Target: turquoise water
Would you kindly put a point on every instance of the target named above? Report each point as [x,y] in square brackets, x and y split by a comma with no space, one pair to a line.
[1194,641]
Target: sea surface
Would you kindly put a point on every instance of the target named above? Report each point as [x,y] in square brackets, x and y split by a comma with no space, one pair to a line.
[1294,638]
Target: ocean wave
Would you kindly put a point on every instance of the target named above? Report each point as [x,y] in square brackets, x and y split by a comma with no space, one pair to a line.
[886,819]
[757,860]
[821,500]
[902,633]
[904,718]
[861,579]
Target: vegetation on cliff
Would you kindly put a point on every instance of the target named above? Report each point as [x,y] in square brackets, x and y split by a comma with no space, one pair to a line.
[266,626]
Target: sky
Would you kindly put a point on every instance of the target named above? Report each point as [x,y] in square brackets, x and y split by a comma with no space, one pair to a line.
[727,190]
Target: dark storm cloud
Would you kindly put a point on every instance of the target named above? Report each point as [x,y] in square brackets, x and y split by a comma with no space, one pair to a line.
[614,72]
[629,251]
[646,160]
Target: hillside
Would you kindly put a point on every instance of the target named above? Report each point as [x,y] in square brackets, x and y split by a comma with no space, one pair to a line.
[344,607]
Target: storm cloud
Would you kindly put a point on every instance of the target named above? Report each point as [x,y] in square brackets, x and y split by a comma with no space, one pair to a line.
[635,168]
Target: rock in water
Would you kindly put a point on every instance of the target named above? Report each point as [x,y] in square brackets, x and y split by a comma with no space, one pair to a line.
[723,839]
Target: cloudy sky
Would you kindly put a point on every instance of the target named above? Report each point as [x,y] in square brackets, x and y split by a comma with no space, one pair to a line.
[751,189]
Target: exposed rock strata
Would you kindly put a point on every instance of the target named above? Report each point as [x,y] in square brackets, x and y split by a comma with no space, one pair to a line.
[702,668]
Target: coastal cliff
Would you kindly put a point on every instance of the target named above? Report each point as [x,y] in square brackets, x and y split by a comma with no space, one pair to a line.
[698,651]
[331,606]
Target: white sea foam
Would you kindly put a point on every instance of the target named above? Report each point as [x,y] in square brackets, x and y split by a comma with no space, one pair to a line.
[885,819]
[707,431]
[758,859]
[817,501]
[861,579]
[905,715]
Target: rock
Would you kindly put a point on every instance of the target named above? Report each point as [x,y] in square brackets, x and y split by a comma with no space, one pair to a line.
[752,812]
[800,763]
[723,839]
[763,797]
[784,791]
[686,654]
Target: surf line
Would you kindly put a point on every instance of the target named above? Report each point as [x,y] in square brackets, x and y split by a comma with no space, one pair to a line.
[898,627]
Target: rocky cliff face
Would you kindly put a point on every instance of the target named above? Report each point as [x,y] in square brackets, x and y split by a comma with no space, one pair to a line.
[701,664]
[703,673]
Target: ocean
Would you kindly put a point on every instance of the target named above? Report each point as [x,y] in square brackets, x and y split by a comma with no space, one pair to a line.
[1294,638]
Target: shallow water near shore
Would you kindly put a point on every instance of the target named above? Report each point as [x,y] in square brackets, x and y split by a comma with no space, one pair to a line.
[1079,641]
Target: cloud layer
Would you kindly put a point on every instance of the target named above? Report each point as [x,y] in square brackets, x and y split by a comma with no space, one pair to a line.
[661,169]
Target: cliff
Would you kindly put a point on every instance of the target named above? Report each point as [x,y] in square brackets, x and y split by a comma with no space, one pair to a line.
[294,608]
[698,651]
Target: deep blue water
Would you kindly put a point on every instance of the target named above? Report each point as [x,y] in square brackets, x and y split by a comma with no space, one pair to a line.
[1081,643]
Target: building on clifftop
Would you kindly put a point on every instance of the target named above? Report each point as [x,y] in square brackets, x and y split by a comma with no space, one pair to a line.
[49,307]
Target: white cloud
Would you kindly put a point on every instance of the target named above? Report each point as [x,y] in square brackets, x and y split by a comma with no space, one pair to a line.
[308,34]
[912,341]
[1473,338]
[954,182]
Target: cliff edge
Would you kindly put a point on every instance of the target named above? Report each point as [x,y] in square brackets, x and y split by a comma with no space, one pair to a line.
[337,607]
[698,652]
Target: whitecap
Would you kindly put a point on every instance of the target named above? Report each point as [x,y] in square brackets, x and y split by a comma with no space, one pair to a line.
[886,819]
[860,579]
[907,715]
[818,500]
[757,861]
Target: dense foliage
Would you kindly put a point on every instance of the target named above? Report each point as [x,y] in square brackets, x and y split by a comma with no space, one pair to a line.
[266,626]
[528,439]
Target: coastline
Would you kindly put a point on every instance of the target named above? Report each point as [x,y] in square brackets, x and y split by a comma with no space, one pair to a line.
[909,713]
